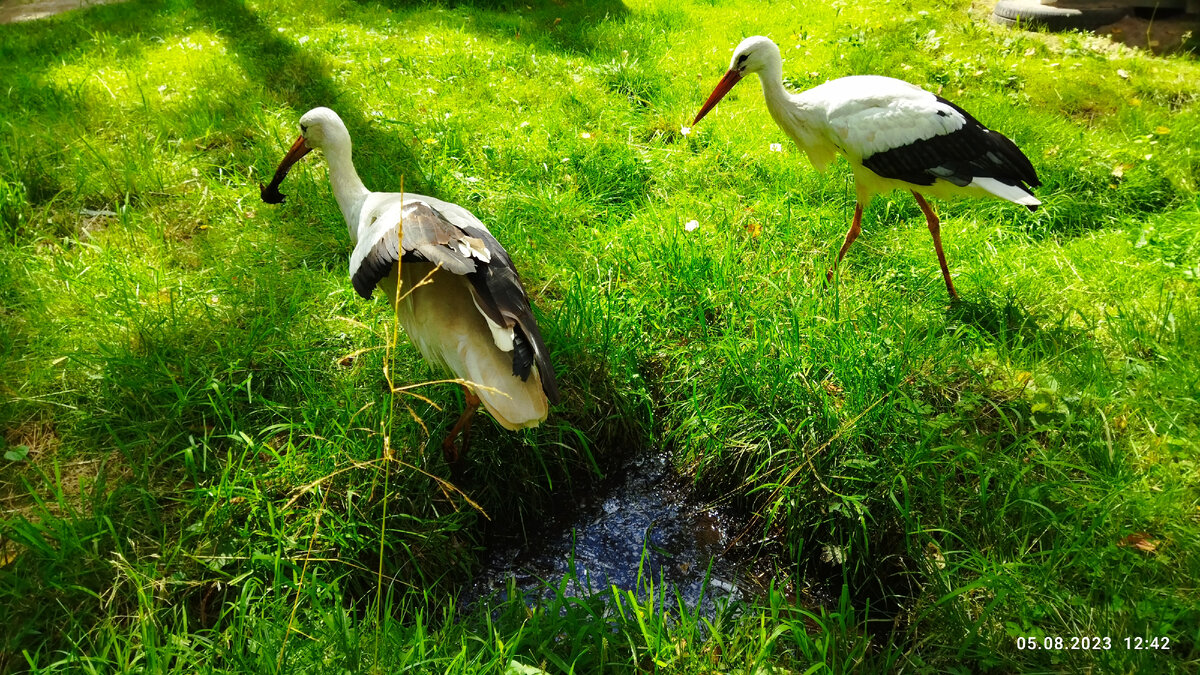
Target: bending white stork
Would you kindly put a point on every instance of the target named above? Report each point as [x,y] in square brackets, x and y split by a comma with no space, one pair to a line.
[894,134]
[474,319]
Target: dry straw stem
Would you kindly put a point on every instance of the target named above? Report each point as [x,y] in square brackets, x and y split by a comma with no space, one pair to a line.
[391,416]
[444,484]
[391,340]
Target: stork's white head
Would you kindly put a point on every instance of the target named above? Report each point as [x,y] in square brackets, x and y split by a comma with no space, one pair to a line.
[322,128]
[319,128]
[754,55]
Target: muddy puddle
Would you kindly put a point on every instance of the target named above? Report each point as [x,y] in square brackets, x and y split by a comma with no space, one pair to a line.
[645,525]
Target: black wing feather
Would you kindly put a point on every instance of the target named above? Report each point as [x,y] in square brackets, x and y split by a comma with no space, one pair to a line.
[503,298]
[375,268]
[972,151]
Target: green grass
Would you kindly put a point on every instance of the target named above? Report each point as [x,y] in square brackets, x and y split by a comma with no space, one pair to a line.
[197,485]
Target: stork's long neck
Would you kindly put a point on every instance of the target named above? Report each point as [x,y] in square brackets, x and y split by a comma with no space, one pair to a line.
[348,188]
[771,78]
[791,113]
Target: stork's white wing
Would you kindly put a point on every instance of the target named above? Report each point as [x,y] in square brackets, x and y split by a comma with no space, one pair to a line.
[869,114]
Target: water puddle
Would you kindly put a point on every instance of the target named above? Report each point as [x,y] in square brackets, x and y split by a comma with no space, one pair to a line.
[646,525]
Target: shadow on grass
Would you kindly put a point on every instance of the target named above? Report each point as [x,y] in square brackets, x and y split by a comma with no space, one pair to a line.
[35,48]
[568,27]
[1012,325]
[303,82]
[299,79]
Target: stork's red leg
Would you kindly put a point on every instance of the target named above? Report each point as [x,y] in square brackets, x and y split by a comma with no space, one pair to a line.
[935,229]
[452,454]
[851,235]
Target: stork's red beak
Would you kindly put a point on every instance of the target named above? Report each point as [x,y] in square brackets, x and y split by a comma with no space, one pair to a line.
[732,76]
[271,194]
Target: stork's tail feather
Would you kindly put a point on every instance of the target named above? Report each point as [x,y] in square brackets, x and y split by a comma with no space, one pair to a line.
[523,406]
[1016,194]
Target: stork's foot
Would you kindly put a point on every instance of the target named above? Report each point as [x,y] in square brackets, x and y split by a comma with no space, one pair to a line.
[851,235]
[454,455]
[830,280]
[451,453]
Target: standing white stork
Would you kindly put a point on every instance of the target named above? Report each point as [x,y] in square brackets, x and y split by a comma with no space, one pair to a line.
[473,319]
[894,134]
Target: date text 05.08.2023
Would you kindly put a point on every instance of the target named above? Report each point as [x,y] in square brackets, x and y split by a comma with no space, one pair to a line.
[1101,643]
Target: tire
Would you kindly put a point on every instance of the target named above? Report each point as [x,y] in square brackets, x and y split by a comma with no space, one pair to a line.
[1029,13]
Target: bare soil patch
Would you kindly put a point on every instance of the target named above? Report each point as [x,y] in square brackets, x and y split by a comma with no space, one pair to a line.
[13,11]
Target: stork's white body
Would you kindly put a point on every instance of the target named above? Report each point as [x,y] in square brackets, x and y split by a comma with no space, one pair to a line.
[442,318]
[864,115]
[471,317]
[451,333]
[895,135]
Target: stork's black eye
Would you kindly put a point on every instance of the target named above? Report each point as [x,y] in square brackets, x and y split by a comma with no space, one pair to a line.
[742,59]
[304,128]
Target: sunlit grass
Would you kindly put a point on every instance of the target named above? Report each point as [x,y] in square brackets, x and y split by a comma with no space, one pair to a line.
[190,384]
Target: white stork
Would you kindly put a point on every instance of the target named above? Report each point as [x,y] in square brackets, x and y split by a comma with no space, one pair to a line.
[474,319]
[894,134]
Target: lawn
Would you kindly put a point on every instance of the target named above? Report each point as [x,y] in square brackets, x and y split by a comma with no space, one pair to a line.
[192,422]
